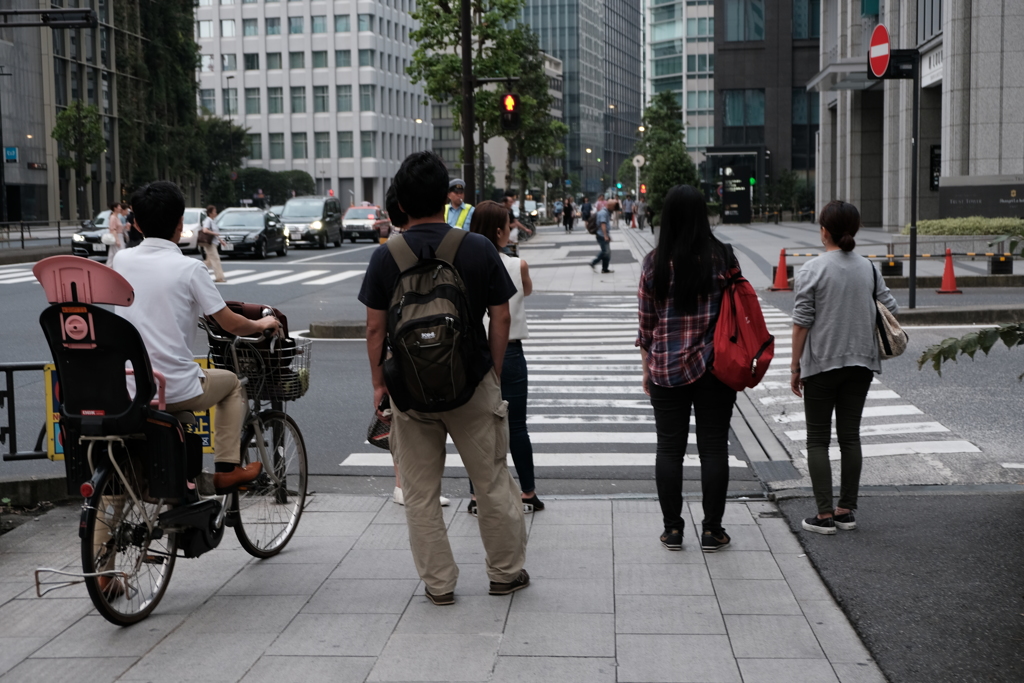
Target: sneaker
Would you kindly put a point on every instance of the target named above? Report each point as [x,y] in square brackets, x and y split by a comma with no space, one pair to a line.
[672,539]
[532,504]
[607,272]
[445,599]
[522,581]
[712,543]
[398,497]
[593,267]
[846,522]
[825,526]
[471,508]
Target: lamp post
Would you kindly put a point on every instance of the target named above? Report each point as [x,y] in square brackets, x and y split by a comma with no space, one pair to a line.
[225,98]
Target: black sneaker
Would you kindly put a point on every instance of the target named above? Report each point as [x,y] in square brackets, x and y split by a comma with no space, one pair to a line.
[825,526]
[712,543]
[672,539]
[471,508]
[532,504]
[607,272]
[846,522]
[522,581]
[446,599]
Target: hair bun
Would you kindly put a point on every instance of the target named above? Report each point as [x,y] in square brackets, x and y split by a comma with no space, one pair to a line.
[846,242]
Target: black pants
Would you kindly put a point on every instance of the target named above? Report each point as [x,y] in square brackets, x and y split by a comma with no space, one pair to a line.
[712,404]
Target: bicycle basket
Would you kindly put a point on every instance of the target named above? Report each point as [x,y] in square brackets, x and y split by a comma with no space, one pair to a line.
[278,374]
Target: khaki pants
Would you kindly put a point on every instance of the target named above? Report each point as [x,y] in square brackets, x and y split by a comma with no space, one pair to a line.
[480,432]
[222,389]
[211,257]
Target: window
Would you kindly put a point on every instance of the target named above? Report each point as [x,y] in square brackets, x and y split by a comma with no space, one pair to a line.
[744,117]
[206,63]
[299,150]
[321,98]
[273,26]
[248,2]
[320,59]
[699,137]
[342,23]
[208,100]
[367,144]
[298,99]
[365,22]
[700,66]
[700,30]
[295,25]
[227,2]
[744,20]
[344,98]
[366,98]
[343,58]
[252,100]
[205,29]
[273,60]
[806,19]
[322,145]
[275,100]
[805,127]
[296,60]
[205,3]
[929,19]
[228,62]
[230,101]
[366,58]
[668,66]
[345,144]
[250,27]
[319,24]
[276,145]
[700,102]
[227,28]
[255,146]
[251,61]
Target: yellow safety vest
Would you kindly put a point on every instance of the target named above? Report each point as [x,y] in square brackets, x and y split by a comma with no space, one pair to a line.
[462,214]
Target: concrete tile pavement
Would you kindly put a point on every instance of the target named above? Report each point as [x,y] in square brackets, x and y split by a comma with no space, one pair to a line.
[607,603]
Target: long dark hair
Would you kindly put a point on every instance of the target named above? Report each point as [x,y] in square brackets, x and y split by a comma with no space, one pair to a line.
[842,220]
[687,249]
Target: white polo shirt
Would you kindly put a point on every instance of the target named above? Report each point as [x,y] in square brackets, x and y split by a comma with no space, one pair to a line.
[171,292]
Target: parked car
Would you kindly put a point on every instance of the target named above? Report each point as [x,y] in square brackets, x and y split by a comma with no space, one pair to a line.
[312,221]
[86,242]
[251,232]
[191,222]
[366,222]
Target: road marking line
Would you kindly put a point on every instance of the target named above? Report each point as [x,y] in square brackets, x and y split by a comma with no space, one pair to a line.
[334,253]
[337,277]
[607,391]
[620,403]
[1013,465]
[383,459]
[14,281]
[632,367]
[870,411]
[254,277]
[296,277]
[875,395]
[615,379]
[554,419]
[876,450]
[595,357]
[882,430]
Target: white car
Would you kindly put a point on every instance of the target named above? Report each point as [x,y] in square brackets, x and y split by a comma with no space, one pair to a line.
[191,222]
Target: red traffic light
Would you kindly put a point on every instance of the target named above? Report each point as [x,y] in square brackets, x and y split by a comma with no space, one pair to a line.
[510,102]
[510,112]
[643,188]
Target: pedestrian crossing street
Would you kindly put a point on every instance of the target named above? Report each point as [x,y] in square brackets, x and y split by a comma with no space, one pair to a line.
[22,273]
[586,408]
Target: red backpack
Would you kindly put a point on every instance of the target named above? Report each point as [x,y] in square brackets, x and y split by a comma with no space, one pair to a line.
[743,347]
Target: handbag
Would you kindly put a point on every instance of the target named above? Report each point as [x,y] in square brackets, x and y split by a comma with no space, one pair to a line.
[204,237]
[892,339]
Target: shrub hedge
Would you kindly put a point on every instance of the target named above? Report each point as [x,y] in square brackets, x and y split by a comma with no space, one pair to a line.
[972,225]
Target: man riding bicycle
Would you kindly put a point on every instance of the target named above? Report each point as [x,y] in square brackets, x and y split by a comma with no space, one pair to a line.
[171,292]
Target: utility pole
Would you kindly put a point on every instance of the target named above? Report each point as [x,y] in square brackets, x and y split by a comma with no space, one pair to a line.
[468,119]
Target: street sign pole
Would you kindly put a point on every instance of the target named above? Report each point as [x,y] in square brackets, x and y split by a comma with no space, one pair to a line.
[913,179]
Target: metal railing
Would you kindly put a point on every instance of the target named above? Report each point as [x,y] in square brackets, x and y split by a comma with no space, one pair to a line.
[25,234]
[10,432]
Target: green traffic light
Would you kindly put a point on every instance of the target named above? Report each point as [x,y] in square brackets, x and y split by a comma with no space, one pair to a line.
[753,181]
[618,186]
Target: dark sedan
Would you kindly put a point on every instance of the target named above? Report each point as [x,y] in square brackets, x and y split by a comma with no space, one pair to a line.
[250,231]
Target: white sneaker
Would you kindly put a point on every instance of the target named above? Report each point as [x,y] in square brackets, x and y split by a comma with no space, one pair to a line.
[445,502]
[399,497]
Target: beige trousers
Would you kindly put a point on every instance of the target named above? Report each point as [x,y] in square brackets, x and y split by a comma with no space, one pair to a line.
[480,432]
[211,257]
[222,389]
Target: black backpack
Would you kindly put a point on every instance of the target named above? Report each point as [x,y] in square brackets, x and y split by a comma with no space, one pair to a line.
[430,362]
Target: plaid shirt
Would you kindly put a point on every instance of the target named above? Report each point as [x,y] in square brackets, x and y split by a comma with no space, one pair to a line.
[678,345]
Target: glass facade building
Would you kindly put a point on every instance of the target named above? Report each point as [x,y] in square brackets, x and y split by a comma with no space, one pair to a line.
[623,85]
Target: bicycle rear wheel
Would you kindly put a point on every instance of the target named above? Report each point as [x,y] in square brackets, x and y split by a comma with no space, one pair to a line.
[119,543]
[267,513]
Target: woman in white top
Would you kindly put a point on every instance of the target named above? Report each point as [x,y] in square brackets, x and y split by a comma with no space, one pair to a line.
[491,220]
[116,226]
[211,257]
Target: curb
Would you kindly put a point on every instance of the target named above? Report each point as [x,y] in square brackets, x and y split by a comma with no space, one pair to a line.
[935,281]
[909,490]
[29,491]
[31,255]
[336,329]
[954,315]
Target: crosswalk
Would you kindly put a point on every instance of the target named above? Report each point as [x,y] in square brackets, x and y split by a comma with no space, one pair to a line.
[22,273]
[18,274]
[586,408]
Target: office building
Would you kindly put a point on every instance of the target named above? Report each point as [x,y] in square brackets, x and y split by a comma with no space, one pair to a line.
[320,85]
[971,142]
[623,85]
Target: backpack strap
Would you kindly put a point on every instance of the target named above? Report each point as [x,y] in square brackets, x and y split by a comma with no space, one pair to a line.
[450,245]
[402,253]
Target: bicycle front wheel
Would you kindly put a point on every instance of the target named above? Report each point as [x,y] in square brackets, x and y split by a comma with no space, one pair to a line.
[134,562]
[268,511]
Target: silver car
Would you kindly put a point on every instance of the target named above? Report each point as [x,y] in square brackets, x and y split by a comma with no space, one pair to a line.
[191,223]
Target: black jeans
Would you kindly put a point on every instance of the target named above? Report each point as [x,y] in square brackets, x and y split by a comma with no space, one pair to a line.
[712,404]
[605,256]
[514,388]
[843,390]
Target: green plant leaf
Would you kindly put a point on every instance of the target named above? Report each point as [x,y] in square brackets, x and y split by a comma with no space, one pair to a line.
[969,344]
[987,338]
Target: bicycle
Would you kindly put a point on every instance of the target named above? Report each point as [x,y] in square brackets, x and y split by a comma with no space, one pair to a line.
[147,503]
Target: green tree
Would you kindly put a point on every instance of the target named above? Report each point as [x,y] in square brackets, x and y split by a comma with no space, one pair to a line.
[968,345]
[79,131]
[220,146]
[785,191]
[663,144]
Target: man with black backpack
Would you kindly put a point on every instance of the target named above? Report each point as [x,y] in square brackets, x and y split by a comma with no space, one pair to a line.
[425,293]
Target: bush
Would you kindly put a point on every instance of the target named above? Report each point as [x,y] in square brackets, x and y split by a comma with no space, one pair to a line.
[973,225]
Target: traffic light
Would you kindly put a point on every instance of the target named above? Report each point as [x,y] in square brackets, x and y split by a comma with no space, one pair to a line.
[510,112]
[753,181]
[618,186]
[643,188]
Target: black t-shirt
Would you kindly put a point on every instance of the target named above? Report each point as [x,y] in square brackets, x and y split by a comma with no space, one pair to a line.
[486,279]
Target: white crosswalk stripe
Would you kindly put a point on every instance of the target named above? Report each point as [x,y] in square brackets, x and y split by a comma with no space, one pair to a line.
[296,277]
[337,277]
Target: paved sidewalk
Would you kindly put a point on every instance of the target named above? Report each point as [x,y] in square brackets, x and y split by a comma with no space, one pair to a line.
[343,603]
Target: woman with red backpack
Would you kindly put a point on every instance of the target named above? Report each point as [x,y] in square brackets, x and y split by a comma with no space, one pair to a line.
[680,295]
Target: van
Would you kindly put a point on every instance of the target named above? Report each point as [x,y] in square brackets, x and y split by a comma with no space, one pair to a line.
[312,221]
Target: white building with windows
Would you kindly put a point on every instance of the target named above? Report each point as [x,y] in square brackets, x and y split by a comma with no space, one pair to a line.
[321,86]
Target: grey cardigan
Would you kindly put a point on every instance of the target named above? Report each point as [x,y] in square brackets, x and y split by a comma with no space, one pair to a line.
[833,300]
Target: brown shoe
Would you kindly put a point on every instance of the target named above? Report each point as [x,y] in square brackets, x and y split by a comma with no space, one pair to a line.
[521,581]
[443,599]
[110,586]
[225,482]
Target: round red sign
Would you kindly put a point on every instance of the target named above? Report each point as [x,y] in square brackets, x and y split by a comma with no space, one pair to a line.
[878,52]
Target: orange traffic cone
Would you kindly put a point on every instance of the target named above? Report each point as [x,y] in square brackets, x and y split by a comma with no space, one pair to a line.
[948,279]
[781,283]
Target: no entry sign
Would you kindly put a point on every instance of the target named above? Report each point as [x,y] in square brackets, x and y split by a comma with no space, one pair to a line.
[878,52]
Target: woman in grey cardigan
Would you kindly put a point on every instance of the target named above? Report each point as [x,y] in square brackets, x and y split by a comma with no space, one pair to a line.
[835,354]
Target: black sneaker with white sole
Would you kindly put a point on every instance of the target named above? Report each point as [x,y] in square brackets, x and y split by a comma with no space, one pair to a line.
[815,525]
[672,539]
[711,542]
[846,522]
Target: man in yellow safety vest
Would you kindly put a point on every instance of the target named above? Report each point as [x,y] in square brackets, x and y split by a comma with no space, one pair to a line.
[457,213]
